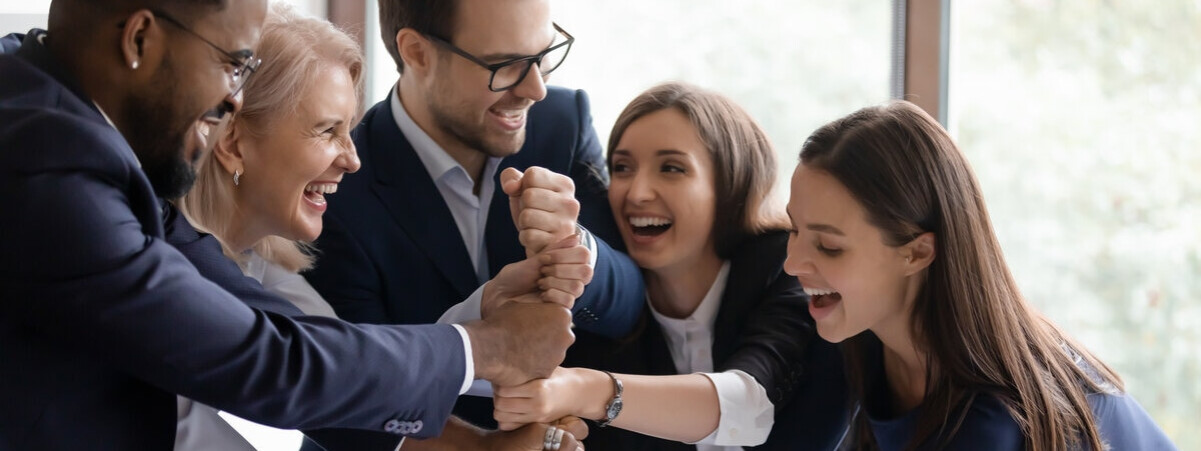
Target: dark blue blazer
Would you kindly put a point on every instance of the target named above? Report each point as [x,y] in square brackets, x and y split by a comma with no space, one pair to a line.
[763,328]
[102,322]
[390,249]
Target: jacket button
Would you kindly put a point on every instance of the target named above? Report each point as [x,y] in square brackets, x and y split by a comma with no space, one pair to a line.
[393,426]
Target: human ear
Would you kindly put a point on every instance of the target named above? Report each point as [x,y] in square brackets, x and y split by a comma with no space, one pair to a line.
[415,50]
[140,42]
[919,253]
[229,148]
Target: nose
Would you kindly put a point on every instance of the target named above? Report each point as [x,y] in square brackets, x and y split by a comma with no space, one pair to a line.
[798,262]
[533,86]
[232,103]
[348,159]
[641,189]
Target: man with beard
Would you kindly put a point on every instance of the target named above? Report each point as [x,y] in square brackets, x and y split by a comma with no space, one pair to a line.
[101,321]
[425,221]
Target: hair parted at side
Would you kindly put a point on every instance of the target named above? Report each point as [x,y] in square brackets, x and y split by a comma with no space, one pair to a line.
[744,160]
[431,17]
[981,335]
[293,47]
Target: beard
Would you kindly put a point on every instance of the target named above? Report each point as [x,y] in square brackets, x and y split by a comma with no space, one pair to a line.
[157,130]
[455,121]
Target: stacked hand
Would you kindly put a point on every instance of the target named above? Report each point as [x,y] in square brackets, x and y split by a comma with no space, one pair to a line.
[564,435]
[558,275]
[566,393]
[543,206]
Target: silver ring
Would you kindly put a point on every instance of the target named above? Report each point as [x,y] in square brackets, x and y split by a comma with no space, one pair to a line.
[549,438]
[557,441]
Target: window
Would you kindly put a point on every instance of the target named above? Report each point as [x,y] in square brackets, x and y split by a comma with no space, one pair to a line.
[1081,121]
[773,58]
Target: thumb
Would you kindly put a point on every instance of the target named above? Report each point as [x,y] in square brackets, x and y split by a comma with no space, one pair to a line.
[510,181]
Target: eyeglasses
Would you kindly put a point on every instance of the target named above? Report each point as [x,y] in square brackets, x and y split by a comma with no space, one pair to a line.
[510,73]
[242,63]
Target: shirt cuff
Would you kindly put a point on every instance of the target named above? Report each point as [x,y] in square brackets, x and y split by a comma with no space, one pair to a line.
[747,415]
[468,310]
[469,367]
[588,241]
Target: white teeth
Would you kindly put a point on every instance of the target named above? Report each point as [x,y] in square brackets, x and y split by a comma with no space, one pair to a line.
[649,221]
[818,291]
[322,188]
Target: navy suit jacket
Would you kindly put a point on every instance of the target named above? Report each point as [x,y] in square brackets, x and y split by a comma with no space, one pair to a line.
[102,322]
[390,249]
[763,328]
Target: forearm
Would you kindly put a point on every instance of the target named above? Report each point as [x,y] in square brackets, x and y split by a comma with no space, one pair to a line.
[613,301]
[679,407]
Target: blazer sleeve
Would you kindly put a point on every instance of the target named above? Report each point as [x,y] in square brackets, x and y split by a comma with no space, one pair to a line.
[82,269]
[613,300]
[774,335]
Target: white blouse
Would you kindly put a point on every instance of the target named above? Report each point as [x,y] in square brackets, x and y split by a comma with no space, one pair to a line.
[747,415]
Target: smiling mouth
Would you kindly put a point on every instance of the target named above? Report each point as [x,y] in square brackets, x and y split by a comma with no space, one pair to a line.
[649,226]
[315,192]
[822,298]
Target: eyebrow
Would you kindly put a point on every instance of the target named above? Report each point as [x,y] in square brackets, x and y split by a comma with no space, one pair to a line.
[503,57]
[825,228]
[658,153]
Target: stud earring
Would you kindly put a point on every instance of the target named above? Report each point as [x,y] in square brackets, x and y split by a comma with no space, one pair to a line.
[134,65]
[237,174]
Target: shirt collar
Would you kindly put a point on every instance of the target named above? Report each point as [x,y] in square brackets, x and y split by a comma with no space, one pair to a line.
[706,312]
[437,162]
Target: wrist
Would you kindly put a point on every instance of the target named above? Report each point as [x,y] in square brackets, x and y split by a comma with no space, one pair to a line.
[598,390]
[483,347]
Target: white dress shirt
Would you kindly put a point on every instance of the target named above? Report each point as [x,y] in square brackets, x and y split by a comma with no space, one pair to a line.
[747,415]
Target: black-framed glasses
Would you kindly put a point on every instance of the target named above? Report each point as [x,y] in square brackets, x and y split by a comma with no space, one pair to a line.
[510,73]
[243,62]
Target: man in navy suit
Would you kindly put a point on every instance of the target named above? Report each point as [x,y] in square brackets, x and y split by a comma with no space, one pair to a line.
[425,221]
[102,321]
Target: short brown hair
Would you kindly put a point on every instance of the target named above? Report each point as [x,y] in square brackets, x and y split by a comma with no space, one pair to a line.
[430,17]
[744,160]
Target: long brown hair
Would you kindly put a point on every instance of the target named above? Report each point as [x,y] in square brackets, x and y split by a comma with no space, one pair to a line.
[981,336]
[743,158]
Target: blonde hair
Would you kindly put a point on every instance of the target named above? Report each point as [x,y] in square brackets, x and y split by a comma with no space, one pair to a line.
[292,47]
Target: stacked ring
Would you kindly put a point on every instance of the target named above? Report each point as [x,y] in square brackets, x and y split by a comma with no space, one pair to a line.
[549,438]
[557,441]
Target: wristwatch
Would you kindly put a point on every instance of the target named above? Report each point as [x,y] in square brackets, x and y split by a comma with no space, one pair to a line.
[613,408]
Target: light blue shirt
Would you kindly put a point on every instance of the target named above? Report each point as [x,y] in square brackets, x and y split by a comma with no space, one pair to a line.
[454,183]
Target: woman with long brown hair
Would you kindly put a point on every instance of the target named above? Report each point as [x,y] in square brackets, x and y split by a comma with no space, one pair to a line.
[892,240]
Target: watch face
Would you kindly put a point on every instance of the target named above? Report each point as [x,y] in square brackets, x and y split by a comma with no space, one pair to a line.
[613,409]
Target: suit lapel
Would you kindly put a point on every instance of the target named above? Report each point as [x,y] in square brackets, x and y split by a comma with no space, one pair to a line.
[409,194]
